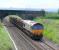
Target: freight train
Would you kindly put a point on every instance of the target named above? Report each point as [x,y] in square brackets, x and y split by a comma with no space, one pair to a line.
[36,29]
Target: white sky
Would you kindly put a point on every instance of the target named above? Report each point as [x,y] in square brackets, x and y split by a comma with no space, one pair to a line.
[44,4]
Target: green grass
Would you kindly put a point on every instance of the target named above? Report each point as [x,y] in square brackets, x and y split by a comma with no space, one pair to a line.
[51,28]
[5,42]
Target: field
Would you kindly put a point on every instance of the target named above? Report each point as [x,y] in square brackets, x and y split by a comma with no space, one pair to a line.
[5,42]
[51,28]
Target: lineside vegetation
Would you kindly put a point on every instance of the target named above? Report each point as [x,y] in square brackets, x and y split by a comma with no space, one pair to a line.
[5,42]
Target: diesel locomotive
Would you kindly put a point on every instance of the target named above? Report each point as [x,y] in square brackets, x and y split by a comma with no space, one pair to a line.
[36,29]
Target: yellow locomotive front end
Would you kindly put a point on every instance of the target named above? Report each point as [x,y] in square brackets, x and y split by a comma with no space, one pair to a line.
[37,30]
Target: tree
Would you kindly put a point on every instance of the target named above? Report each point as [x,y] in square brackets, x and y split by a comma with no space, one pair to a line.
[58,11]
[43,12]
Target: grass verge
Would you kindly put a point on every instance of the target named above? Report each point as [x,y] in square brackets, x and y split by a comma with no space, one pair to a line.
[5,42]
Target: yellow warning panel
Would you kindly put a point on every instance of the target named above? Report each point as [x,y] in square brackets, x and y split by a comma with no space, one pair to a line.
[37,32]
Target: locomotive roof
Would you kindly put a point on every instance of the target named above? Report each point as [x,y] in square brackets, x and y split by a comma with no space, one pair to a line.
[30,22]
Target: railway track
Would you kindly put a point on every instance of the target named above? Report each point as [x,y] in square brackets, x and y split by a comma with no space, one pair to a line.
[29,43]
[49,45]
[45,46]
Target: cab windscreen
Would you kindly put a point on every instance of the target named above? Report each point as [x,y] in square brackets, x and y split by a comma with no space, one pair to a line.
[37,27]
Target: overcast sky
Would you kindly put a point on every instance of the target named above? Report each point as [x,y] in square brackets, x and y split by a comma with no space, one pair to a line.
[36,4]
